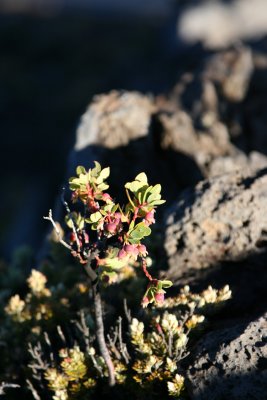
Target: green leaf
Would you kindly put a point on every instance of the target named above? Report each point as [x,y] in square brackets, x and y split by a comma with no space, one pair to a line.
[134,186]
[144,193]
[96,170]
[95,217]
[115,263]
[131,226]
[74,183]
[134,241]
[115,207]
[157,202]
[156,188]
[80,170]
[159,285]
[102,187]
[154,193]
[108,207]
[75,218]
[74,186]
[104,174]
[153,197]
[140,231]
[166,284]
[141,178]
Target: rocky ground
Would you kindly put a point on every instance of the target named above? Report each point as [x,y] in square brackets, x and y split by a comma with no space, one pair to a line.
[206,143]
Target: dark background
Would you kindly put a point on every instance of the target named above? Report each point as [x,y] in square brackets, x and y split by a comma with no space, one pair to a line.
[53,60]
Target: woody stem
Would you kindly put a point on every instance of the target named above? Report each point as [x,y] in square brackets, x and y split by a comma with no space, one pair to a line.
[100,334]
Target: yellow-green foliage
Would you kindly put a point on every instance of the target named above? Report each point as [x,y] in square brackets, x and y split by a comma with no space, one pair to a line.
[35,304]
[146,359]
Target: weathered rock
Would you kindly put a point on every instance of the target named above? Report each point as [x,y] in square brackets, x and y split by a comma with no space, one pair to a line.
[222,23]
[118,130]
[221,219]
[202,146]
[114,119]
[231,71]
[239,161]
[231,364]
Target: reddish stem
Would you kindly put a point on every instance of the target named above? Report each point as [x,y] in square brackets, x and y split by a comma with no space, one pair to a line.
[147,274]
[136,210]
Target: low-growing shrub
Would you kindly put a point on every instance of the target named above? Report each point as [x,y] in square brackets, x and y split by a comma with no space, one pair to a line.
[71,338]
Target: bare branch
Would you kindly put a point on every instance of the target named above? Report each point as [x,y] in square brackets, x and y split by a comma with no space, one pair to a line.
[113,347]
[38,364]
[48,342]
[33,390]
[83,328]
[123,347]
[101,335]
[170,343]
[61,334]
[127,312]
[72,222]
[50,218]
[90,272]
[4,385]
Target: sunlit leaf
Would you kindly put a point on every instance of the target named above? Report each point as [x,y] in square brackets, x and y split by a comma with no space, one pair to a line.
[141,178]
[80,170]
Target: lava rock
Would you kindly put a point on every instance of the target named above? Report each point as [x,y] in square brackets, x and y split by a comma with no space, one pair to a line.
[113,119]
[231,364]
[119,130]
[221,219]
[227,164]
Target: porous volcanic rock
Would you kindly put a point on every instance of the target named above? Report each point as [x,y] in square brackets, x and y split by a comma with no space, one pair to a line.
[113,119]
[118,130]
[179,135]
[231,364]
[226,164]
[221,219]
[231,71]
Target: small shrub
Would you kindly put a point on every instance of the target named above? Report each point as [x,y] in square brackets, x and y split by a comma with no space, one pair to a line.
[69,356]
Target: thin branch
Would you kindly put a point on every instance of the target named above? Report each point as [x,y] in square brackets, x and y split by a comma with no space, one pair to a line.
[113,347]
[90,272]
[71,219]
[123,347]
[50,218]
[4,385]
[144,267]
[101,335]
[48,342]
[83,328]
[170,344]
[38,364]
[127,311]
[129,198]
[33,390]
[61,334]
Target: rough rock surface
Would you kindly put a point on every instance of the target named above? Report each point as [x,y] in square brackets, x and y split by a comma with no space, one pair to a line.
[223,218]
[114,119]
[180,136]
[227,164]
[231,71]
[222,23]
[231,364]
[118,130]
